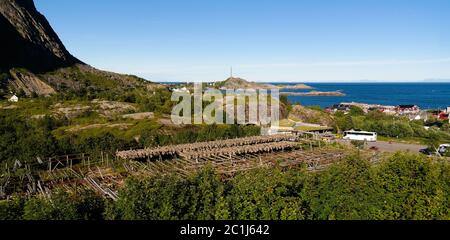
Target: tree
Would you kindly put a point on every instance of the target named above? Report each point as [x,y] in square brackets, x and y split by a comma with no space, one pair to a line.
[356,111]
[412,188]
[59,207]
[85,205]
[12,209]
[344,123]
[200,197]
[345,191]
[264,194]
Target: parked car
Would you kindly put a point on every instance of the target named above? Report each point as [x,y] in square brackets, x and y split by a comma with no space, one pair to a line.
[427,151]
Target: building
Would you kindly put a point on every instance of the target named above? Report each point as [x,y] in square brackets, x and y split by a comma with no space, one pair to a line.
[14,99]
[181,90]
[407,109]
[277,130]
[423,115]
[443,116]
[345,107]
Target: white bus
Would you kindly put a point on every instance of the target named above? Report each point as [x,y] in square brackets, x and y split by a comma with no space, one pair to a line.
[360,136]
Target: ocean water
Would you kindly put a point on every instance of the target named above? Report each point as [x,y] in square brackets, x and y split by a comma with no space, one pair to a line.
[425,95]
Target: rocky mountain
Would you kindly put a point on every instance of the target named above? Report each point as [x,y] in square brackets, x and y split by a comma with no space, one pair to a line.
[234,83]
[239,83]
[34,60]
[28,41]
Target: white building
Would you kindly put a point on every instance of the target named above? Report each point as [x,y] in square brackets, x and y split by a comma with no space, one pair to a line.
[181,90]
[14,98]
[277,130]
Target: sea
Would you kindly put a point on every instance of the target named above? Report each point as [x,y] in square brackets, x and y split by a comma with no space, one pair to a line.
[424,95]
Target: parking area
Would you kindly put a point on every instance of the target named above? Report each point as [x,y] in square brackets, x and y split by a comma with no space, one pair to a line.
[391,146]
[395,147]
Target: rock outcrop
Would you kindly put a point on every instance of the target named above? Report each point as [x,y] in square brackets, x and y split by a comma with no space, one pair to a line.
[28,41]
[29,83]
[234,83]
[35,61]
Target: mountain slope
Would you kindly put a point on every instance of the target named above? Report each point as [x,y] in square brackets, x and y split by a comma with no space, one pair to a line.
[28,41]
[34,60]
[234,83]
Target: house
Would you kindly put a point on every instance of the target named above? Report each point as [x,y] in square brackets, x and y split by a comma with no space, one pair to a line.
[443,116]
[181,90]
[407,109]
[14,99]
[422,115]
[338,108]
[345,107]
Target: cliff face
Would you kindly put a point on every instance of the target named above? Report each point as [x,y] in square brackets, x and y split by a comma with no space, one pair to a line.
[34,60]
[27,39]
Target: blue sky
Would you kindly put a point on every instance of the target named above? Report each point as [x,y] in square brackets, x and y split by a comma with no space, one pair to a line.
[284,41]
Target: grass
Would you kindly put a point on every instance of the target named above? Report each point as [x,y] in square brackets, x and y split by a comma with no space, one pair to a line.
[29,107]
[134,128]
[310,128]
[286,123]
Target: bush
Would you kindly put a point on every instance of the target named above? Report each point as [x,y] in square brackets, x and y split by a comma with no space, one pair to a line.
[356,111]
[12,209]
[256,196]
[63,206]
[402,187]
[413,187]
[24,140]
[345,191]
[171,198]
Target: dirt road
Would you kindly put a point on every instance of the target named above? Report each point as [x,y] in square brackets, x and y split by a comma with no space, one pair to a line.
[392,147]
[395,147]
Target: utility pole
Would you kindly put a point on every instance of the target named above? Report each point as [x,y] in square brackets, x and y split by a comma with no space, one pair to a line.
[231,72]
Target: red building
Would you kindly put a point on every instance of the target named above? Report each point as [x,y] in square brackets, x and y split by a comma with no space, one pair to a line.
[443,116]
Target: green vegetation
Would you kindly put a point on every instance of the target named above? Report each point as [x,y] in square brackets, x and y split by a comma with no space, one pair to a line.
[401,187]
[404,186]
[313,115]
[4,76]
[23,138]
[64,206]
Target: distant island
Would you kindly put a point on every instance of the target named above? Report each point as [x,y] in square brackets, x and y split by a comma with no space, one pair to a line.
[315,94]
[300,86]
[234,83]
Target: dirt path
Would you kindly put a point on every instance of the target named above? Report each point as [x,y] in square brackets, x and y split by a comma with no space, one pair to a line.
[394,147]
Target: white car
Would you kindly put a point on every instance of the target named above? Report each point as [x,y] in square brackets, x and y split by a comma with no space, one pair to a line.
[443,149]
